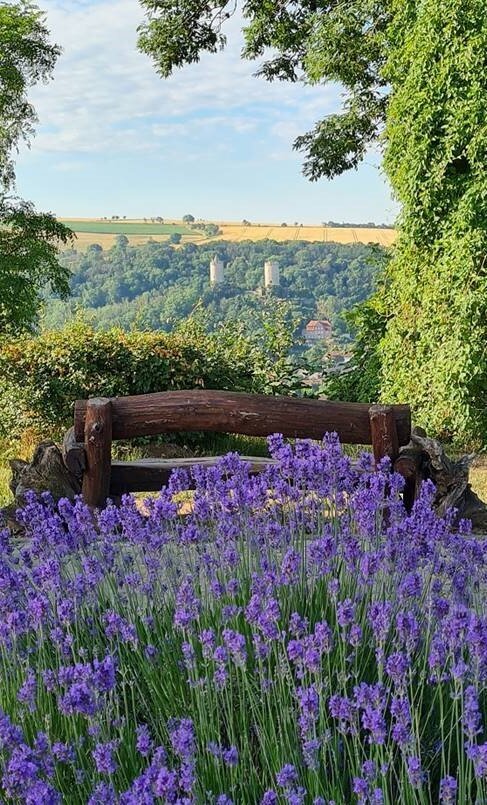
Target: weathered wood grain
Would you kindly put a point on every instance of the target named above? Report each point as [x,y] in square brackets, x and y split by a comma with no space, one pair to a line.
[98,450]
[74,455]
[249,414]
[384,432]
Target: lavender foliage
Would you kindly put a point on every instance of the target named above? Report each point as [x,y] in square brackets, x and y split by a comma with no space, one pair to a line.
[297,637]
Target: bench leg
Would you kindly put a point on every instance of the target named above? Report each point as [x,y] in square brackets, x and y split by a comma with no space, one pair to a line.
[409,466]
[98,449]
[383,431]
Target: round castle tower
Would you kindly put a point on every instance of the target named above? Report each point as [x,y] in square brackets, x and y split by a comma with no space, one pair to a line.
[217,269]
[271,273]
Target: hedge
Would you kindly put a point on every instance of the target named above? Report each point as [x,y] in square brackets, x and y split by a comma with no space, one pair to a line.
[45,374]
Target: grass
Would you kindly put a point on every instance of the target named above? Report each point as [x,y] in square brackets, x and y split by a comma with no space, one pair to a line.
[138,231]
[126,228]
[24,449]
[478,477]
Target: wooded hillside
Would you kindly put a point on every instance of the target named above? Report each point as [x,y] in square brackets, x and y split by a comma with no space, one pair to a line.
[154,285]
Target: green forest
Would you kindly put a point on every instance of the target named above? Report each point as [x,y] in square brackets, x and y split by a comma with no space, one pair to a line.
[154,286]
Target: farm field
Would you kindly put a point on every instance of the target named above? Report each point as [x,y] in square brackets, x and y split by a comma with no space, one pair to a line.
[138,231]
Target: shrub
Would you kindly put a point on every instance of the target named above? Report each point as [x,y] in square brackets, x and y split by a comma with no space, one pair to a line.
[45,374]
[285,642]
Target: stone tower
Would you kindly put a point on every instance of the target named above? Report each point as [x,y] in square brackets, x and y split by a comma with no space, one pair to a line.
[271,274]
[217,275]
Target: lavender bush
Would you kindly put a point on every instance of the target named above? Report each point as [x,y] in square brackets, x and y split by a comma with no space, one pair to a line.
[296,638]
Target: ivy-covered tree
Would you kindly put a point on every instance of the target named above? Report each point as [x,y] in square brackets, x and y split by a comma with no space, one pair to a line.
[28,239]
[415,80]
[435,347]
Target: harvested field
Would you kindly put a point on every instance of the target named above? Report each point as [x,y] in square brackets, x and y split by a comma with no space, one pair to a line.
[138,231]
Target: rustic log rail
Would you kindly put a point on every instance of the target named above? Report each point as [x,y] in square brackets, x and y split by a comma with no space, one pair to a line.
[98,421]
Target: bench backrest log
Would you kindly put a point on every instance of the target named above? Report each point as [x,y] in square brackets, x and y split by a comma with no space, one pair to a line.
[98,421]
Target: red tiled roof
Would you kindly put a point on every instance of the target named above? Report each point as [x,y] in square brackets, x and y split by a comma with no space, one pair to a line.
[315,323]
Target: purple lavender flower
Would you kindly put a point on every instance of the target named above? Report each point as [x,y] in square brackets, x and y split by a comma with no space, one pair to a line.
[369,769]
[230,756]
[373,720]
[79,698]
[287,776]
[230,611]
[270,798]
[311,748]
[345,612]
[41,793]
[103,757]
[401,728]
[21,771]
[181,732]
[116,626]
[408,630]
[411,586]
[207,640]
[64,753]
[478,754]
[103,794]
[150,651]
[360,787]
[380,613]
[188,605]
[471,714]
[166,784]
[396,667]
[290,566]
[236,645]
[298,626]
[355,635]
[448,790]
[144,743]
[261,647]
[321,552]
[415,772]
[295,796]
[104,673]
[188,654]
[28,691]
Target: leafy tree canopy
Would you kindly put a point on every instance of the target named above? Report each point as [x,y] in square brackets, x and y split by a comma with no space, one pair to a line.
[433,351]
[28,240]
[310,40]
[414,77]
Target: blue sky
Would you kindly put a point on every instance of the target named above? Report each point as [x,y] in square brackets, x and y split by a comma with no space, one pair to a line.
[212,140]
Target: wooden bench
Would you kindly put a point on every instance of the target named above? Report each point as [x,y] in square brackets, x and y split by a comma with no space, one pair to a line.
[98,421]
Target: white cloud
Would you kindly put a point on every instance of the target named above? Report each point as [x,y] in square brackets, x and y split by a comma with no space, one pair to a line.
[106,96]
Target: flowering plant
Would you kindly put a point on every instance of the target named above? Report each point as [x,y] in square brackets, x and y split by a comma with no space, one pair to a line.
[297,637]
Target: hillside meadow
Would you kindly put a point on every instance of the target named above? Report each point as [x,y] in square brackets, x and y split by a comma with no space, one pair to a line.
[138,231]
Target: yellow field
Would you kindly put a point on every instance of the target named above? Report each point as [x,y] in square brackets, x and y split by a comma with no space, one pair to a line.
[237,233]
[84,239]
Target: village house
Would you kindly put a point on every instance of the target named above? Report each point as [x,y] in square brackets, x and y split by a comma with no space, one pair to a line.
[317,330]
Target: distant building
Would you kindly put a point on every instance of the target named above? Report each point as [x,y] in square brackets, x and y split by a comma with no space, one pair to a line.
[217,271]
[271,274]
[317,330]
